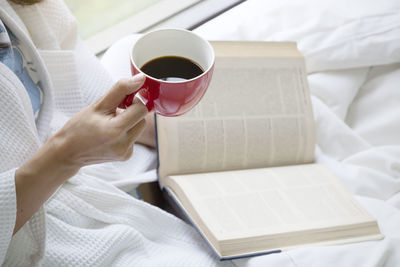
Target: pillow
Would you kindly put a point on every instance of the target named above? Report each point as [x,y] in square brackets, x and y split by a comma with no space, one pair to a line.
[331,34]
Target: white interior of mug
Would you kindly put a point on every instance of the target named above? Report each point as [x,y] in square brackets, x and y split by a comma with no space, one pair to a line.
[173,42]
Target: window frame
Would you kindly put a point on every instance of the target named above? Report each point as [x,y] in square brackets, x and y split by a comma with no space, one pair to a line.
[137,23]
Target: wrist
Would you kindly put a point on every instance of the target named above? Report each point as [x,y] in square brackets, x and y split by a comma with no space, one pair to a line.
[56,152]
[51,163]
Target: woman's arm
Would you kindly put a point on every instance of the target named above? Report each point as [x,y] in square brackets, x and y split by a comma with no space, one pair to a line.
[94,135]
[39,178]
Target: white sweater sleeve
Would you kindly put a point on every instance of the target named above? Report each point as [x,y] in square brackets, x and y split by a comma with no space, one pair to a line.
[8,210]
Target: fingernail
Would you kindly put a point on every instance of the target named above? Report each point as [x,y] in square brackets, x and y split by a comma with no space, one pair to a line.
[138,78]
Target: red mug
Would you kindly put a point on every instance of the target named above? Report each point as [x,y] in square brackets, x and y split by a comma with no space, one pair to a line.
[171,98]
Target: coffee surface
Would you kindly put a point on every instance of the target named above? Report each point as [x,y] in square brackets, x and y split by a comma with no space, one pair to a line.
[172,68]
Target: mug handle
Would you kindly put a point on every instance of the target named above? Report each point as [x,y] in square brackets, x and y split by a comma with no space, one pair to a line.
[143,97]
[127,100]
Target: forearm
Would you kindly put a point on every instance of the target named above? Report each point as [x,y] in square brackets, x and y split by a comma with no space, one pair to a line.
[39,178]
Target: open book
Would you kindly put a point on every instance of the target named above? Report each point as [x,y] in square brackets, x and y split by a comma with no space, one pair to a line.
[240,164]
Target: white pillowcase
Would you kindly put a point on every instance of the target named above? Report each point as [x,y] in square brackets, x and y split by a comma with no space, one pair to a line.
[331,34]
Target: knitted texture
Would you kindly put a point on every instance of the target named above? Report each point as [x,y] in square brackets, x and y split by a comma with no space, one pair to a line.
[8,209]
[88,221]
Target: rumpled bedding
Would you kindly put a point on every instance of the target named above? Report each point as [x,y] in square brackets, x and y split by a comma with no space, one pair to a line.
[352,52]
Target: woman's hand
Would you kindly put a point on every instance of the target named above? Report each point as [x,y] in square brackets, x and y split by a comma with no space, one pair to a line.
[100,132]
[97,134]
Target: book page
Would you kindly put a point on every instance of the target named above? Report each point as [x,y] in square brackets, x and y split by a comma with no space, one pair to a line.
[259,202]
[256,113]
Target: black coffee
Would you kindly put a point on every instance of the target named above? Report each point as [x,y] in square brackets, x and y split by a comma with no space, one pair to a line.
[172,68]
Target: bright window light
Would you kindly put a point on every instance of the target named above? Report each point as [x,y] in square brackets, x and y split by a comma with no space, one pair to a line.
[95,16]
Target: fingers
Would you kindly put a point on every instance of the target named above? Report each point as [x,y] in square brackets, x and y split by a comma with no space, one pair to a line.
[122,148]
[136,131]
[119,91]
[131,136]
[133,114]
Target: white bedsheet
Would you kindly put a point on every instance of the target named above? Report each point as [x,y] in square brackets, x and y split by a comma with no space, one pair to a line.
[352,51]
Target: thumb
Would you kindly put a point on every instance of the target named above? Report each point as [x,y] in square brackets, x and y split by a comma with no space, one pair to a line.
[119,91]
